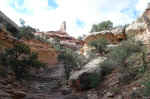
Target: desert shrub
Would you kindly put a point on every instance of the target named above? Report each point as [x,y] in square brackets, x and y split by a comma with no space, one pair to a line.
[115,90]
[107,67]
[20,60]
[94,79]
[100,45]
[146,90]
[105,25]
[40,39]
[89,80]
[70,60]
[26,32]
[119,58]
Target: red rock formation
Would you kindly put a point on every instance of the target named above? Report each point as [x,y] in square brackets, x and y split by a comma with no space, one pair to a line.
[63,36]
[113,36]
[6,40]
[46,53]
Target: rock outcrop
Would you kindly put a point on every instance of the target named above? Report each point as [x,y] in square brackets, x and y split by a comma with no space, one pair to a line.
[79,79]
[113,36]
[64,38]
[6,40]
[46,53]
[141,27]
[8,23]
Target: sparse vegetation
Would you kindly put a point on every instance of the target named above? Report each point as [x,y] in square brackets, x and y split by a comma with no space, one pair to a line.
[20,60]
[105,25]
[70,59]
[100,45]
[120,58]
[89,80]
[26,32]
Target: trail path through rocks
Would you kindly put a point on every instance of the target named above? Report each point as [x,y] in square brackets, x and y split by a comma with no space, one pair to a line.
[47,84]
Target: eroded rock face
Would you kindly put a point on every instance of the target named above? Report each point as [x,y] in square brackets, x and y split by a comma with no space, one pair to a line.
[6,40]
[114,36]
[141,28]
[46,53]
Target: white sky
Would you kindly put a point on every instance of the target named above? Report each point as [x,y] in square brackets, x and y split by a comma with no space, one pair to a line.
[80,15]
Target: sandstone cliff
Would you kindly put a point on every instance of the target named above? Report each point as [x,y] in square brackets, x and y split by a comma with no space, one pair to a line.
[6,40]
[47,54]
[113,36]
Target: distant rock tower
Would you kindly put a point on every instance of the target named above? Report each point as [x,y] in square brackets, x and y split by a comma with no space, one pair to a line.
[63,27]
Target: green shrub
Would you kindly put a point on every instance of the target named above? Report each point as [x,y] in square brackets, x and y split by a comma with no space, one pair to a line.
[107,66]
[26,32]
[105,25]
[146,90]
[20,60]
[89,80]
[100,45]
[70,60]
[94,79]
[115,90]
[119,58]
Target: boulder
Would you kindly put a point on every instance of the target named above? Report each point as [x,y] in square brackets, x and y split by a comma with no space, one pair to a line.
[83,79]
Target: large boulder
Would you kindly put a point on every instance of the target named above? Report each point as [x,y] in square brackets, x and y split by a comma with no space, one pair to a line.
[88,77]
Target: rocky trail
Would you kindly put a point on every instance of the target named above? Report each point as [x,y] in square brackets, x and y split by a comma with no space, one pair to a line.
[47,85]
[50,85]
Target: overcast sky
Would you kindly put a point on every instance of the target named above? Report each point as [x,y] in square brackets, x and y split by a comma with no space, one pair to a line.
[80,15]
